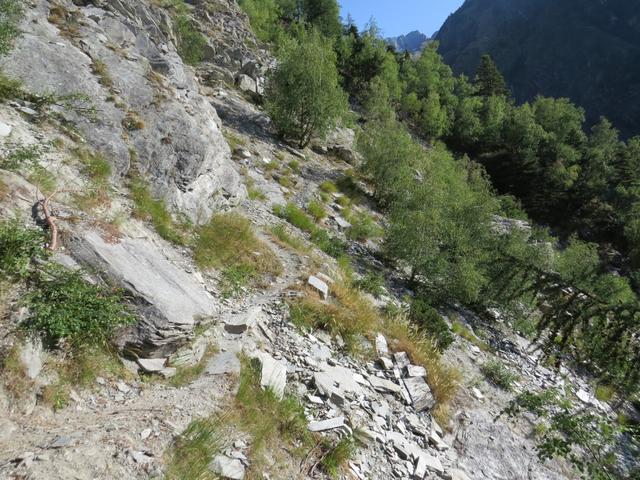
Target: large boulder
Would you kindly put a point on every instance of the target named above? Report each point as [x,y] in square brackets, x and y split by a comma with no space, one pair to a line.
[169,301]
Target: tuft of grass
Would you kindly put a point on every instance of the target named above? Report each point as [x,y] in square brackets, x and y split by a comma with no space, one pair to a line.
[337,457]
[10,89]
[66,21]
[372,283]
[328,187]
[154,210]
[22,157]
[604,393]
[13,373]
[43,179]
[298,218]
[98,169]
[255,194]
[228,242]
[283,237]
[192,451]
[233,140]
[294,165]
[498,374]
[99,68]
[316,210]
[132,122]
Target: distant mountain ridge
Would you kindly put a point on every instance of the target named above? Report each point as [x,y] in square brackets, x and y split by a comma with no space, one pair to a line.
[586,51]
[412,42]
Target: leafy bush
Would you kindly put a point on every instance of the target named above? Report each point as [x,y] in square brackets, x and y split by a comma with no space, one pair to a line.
[191,43]
[499,375]
[64,306]
[10,13]
[18,246]
[329,244]
[303,96]
[432,323]
[317,211]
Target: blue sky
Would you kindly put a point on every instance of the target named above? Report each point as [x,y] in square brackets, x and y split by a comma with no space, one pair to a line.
[397,17]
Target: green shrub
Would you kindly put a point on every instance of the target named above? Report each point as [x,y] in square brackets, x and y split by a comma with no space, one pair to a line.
[363,227]
[10,14]
[499,375]
[317,211]
[432,323]
[94,165]
[18,246]
[64,306]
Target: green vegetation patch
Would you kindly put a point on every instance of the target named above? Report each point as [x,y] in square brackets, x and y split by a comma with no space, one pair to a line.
[18,247]
[498,374]
[148,208]
[64,306]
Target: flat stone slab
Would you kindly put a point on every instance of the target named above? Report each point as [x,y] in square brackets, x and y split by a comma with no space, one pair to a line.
[416,371]
[227,468]
[152,365]
[224,363]
[420,393]
[337,380]
[273,374]
[324,425]
[402,359]
[384,385]
[240,323]
[431,463]
[168,300]
[319,285]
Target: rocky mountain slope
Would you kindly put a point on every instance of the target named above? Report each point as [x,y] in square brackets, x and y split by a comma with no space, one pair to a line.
[412,42]
[586,52]
[117,88]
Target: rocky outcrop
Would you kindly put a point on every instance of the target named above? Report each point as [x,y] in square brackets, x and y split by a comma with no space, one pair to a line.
[141,105]
[168,300]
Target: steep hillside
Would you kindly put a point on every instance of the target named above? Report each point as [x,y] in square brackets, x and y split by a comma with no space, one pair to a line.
[588,52]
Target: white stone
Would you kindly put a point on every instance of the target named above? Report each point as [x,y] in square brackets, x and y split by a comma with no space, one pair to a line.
[477,393]
[5,130]
[315,400]
[341,222]
[383,385]
[273,374]
[227,468]
[325,278]
[583,396]
[319,285]
[402,359]
[416,371]
[420,393]
[386,363]
[382,348]
[238,324]
[431,463]
[456,474]
[31,358]
[324,425]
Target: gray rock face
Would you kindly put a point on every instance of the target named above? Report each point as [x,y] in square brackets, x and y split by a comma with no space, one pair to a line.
[224,363]
[168,300]
[179,147]
[420,393]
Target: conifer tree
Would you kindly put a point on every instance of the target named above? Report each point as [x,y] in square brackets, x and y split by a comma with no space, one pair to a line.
[489,80]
